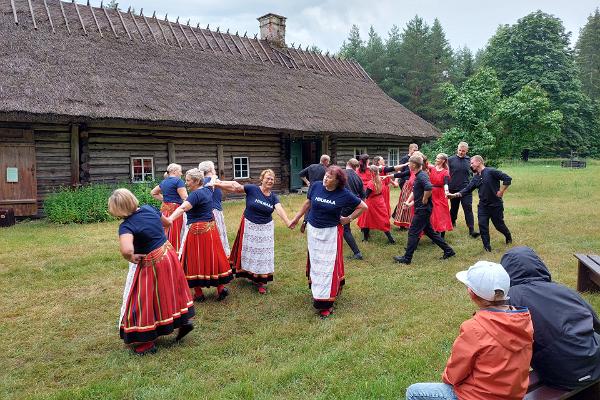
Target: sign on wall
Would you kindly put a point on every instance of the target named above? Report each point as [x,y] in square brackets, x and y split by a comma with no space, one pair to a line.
[12,175]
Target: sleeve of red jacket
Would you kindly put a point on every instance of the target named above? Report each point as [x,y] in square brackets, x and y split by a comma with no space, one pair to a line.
[464,351]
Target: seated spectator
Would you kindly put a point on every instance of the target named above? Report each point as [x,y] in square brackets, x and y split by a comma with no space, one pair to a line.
[490,357]
[566,340]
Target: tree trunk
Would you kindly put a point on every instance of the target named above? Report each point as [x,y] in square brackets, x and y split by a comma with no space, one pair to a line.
[525,155]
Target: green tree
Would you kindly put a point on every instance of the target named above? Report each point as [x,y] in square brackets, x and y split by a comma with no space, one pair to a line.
[354,46]
[113,4]
[392,83]
[374,56]
[463,66]
[440,56]
[587,56]
[536,49]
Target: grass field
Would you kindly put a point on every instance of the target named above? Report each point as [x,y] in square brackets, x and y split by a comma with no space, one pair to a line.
[61,289]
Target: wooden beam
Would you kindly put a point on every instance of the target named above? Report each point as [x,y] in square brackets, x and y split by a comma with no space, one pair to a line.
[173,31]
[123,23]
[95,19]
[32,14]
[196,36]
[254,48]
[136,25]
[246,47]
[263,49]
[62,9]
[148,25]
[171,152]
[225,41]
[320,58]
[14,10]
[184,34]
[109,22]
[80,19]
[215,39]
[220,161]
[49,17]
[160,27]
[74,155]
[237,47]
[205,38]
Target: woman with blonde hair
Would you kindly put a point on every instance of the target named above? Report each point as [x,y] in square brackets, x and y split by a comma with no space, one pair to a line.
[440,177]
[253,252]
[404,209]
[376,216]
[171,191]
[202,256]
[156,299]
[208,168]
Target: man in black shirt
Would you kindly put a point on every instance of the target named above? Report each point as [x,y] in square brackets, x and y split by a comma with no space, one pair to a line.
[460,174]
[420,222]
[411,149]
[315,172]
[355,185]
[487,180]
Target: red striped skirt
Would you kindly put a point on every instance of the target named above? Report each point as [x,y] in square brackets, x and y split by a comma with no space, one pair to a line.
[203,258]
[404,215]
[326,273]
[174,232]
[159,300]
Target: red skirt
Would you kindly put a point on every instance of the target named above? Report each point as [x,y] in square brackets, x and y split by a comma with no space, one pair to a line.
[404,215]
[330,278]
[377,215]
[203,258]
[440,215]
[159,300]
[174,232]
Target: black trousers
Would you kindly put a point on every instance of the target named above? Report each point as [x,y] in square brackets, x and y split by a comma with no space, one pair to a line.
[467,206]
[496,214]
[421,223]
[350,239]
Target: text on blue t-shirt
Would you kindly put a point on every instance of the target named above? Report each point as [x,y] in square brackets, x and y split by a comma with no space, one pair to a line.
[326,206]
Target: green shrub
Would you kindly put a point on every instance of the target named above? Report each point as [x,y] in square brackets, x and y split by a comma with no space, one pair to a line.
[89,203]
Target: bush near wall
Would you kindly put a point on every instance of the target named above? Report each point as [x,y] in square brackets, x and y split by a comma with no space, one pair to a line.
[89,203]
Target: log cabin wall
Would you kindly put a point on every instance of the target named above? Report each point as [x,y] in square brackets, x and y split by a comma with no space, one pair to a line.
[53,159]
[111,150]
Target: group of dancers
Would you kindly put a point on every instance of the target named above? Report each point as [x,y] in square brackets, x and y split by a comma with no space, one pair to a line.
[185,245]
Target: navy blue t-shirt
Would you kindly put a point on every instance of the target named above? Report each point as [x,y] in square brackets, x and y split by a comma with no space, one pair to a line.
[259,207]
[202,205]
[217,196]
[169,187]
[146,228]
[326,206]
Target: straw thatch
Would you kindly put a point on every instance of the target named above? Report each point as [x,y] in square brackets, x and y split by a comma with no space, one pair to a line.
[67,61]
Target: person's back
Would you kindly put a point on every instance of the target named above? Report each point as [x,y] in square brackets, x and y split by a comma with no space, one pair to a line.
[566,350]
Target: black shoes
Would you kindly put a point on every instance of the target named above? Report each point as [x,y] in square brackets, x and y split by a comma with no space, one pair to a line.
[474,234]
[199,299]
[184,330]
[357,256]
[488,248]
[401,260]
[224,293]
[508,239]
[448,255]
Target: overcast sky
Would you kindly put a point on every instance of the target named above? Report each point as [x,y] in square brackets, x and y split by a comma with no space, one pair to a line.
[326,23]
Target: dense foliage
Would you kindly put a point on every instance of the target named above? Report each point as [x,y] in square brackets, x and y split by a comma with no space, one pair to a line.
[527,92]
[89,203]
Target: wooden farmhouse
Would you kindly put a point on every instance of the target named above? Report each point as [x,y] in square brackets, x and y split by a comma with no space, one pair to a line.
[91,95]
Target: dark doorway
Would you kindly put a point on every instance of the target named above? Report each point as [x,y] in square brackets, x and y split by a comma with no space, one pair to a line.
[303,152]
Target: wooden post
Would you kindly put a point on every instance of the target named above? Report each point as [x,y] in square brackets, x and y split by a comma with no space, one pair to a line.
[74,155]
[220,161]
[84,156]
[171,152]
[325,144]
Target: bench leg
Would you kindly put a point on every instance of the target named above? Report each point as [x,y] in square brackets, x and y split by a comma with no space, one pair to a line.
[584,281]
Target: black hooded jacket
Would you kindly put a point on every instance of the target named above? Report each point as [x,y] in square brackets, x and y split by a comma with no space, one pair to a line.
[566,339]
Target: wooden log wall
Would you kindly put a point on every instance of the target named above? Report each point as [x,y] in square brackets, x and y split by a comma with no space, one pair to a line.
[110,150]
[375,146]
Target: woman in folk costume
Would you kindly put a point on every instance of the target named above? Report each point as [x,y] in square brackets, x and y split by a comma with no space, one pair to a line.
[376,216]
[404,210]
[253,252]
[386,180]
[156,299]
[202,256]
[363,170]
[324,231]
[439,176]
[208,168]
[171,191]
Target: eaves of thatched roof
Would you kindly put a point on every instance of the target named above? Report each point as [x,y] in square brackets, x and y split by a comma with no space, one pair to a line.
[73,61]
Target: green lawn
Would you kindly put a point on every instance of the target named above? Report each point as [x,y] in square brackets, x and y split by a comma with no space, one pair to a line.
[61,289]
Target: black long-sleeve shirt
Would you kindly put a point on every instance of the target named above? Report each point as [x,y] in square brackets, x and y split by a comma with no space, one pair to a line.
[421,185]
[460,172]
[314,172]
[488,183]
[356,186]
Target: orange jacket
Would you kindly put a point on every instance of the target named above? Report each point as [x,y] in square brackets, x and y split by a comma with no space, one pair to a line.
[490,357]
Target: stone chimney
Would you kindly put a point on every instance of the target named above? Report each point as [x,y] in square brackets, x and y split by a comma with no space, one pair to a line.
[272,29]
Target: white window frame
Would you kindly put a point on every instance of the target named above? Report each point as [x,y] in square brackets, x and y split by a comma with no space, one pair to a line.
[241,160]
[144,173]
[361,150]
[397,160]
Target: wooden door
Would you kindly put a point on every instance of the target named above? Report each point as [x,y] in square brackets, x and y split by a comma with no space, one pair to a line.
[18,184]
[295,164]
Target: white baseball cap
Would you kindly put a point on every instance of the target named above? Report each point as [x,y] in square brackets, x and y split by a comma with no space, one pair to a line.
[484,278]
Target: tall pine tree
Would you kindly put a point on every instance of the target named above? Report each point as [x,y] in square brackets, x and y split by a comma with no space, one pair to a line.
[588,56]
[374,56]
[354,46]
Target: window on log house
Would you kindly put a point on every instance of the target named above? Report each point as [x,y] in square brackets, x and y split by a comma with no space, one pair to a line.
[142,169]
[393,156]
[358,151]
[241,168]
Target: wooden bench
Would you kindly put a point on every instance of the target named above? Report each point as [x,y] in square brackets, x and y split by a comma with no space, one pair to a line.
[588,272]
[538,391]
[573,164]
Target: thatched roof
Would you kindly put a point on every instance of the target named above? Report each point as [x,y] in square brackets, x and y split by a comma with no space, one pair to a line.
[69,61]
